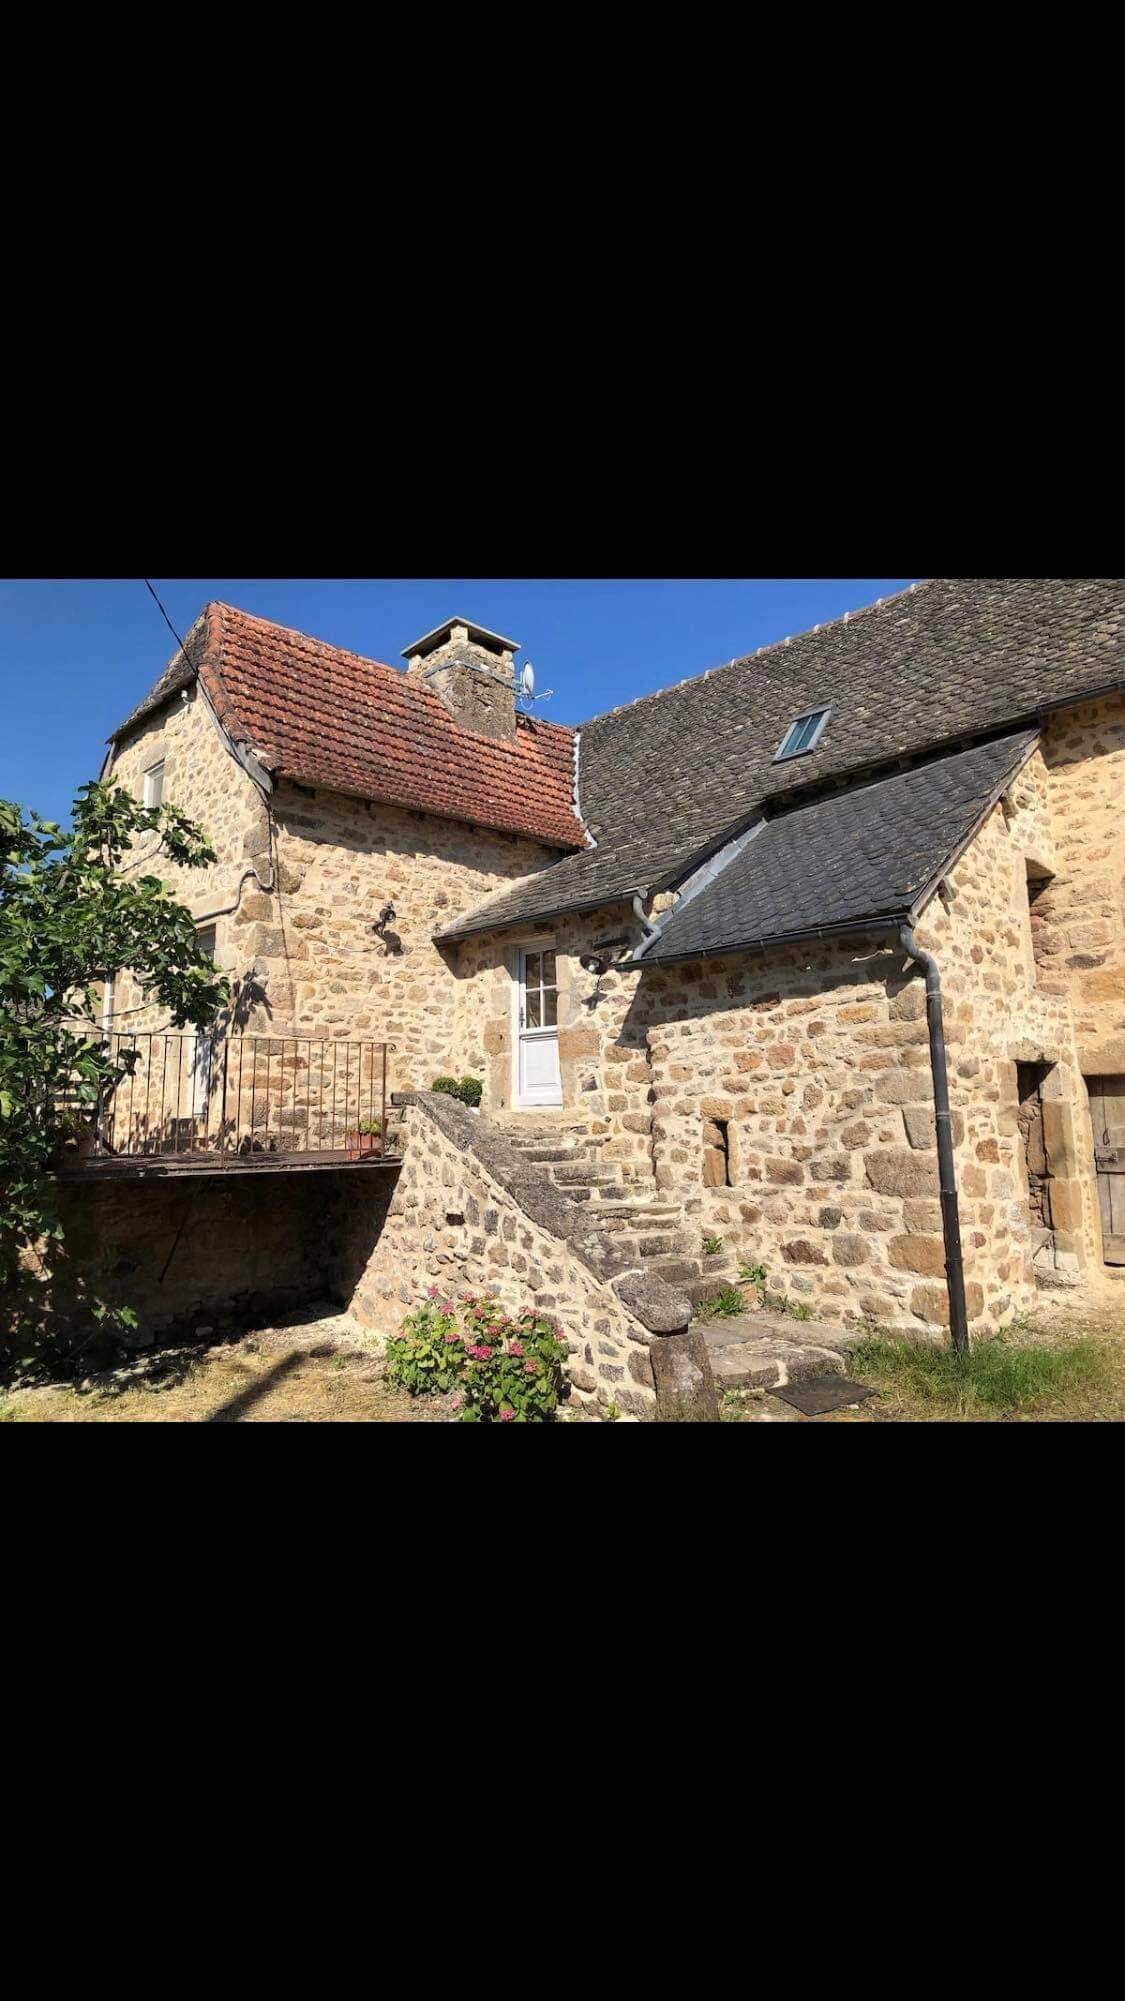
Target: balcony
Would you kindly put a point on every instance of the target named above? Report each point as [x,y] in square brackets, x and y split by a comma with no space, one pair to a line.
[221,1103]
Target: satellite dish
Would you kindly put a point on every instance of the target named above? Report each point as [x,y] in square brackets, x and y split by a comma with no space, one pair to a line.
[527,681]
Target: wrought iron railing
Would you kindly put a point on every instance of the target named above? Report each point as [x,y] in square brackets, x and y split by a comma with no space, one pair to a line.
[234,1097]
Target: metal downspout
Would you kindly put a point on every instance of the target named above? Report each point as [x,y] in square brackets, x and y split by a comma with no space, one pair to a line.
[950,1221]
[650,930]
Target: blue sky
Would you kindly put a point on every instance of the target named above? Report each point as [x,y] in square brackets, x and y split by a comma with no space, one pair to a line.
[77,654]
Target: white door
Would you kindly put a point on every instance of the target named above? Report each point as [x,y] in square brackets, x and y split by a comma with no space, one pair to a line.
[539,1079]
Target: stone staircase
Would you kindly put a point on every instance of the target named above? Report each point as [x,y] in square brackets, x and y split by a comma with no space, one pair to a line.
[644,1225]
[757,1349]
[636,1240]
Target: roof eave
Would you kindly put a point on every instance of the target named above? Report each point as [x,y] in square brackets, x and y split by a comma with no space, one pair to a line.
[850,927]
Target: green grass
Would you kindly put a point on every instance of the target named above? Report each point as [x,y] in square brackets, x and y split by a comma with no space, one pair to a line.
[722,1305]
[712,1246]
[997,1375]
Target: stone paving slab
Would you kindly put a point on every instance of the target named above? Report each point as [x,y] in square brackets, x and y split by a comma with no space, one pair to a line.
[764,1350]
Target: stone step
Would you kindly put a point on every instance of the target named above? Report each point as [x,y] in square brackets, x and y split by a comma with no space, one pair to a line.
[650,1251]
[557,1156]
[673,1269]
[700,1289]
[637,1205]
[765,1350]
[648,1227]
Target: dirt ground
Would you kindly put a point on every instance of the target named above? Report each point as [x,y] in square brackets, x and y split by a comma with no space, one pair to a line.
[318,1367]
[322,1368]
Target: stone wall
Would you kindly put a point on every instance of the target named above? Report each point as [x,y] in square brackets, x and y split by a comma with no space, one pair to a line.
[301,951]
[468,1214]
[1080,916]
[817,1064]
[215,1251]
[205,780]
[602,1053]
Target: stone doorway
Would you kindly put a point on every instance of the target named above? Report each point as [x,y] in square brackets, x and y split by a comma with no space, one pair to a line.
[1107,1116]
[1030,1079]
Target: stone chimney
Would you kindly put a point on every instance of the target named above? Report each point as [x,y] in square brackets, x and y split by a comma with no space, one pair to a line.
[472,670]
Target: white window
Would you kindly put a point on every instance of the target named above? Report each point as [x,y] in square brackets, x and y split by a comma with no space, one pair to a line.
[803,734]
[154,784]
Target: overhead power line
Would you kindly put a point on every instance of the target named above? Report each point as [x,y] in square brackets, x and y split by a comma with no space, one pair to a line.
[167,620]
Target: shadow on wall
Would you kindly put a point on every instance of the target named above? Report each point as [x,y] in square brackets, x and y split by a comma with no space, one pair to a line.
[705,993]
[210,1251]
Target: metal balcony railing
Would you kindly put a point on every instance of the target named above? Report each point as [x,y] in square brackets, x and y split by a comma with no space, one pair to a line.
[233,1097]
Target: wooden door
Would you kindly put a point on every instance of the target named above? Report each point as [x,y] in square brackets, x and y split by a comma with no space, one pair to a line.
[1107,1112]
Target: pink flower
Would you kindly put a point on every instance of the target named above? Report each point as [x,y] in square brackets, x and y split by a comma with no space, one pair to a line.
[456,1402]
[531,1368]
[514,1348]
[432,1293]
[506,1415]
[481,1353]
[450,1338]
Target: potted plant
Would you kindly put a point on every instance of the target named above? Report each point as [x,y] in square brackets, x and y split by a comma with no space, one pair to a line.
[365,1141]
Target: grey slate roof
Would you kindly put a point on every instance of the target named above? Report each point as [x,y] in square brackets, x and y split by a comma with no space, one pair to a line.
[179,673]
[664,779]
[875,851]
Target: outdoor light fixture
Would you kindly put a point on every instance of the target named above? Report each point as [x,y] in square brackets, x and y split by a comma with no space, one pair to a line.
[386,916]
[592,964]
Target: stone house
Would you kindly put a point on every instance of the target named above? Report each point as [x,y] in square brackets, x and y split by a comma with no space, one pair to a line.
[685,949]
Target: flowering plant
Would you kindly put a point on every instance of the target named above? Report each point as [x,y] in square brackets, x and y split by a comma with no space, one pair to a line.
[427,1354]
[507,1367]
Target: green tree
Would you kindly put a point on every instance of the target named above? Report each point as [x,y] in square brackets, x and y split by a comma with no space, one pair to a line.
[69,918]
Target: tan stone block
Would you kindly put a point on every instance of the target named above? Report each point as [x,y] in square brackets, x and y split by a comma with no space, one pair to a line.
[856,1135]
[849,1250]
[922,1216]
[783,1171]
[1066,1205]
[898,1171]
[931,1302]
[714,1168]
[910,1004]
[903,1086]
[582,1041]
[921,1126]
[800,1252]
[924,1255]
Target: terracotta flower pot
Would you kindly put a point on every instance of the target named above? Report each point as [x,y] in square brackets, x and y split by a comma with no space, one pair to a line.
[363,1146]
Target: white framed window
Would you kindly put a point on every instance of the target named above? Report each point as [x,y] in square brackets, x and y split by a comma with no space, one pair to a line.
[154,784]
[803,734]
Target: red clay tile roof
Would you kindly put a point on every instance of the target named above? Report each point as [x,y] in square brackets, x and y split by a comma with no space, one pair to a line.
[314,713]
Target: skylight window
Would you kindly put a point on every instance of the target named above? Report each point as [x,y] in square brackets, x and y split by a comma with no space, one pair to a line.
[803,734]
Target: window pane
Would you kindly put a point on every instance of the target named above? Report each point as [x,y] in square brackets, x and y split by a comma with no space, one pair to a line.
[550,1007]
[548,969]
[800,733]
[531,969]
[532,1017]
[154,785]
